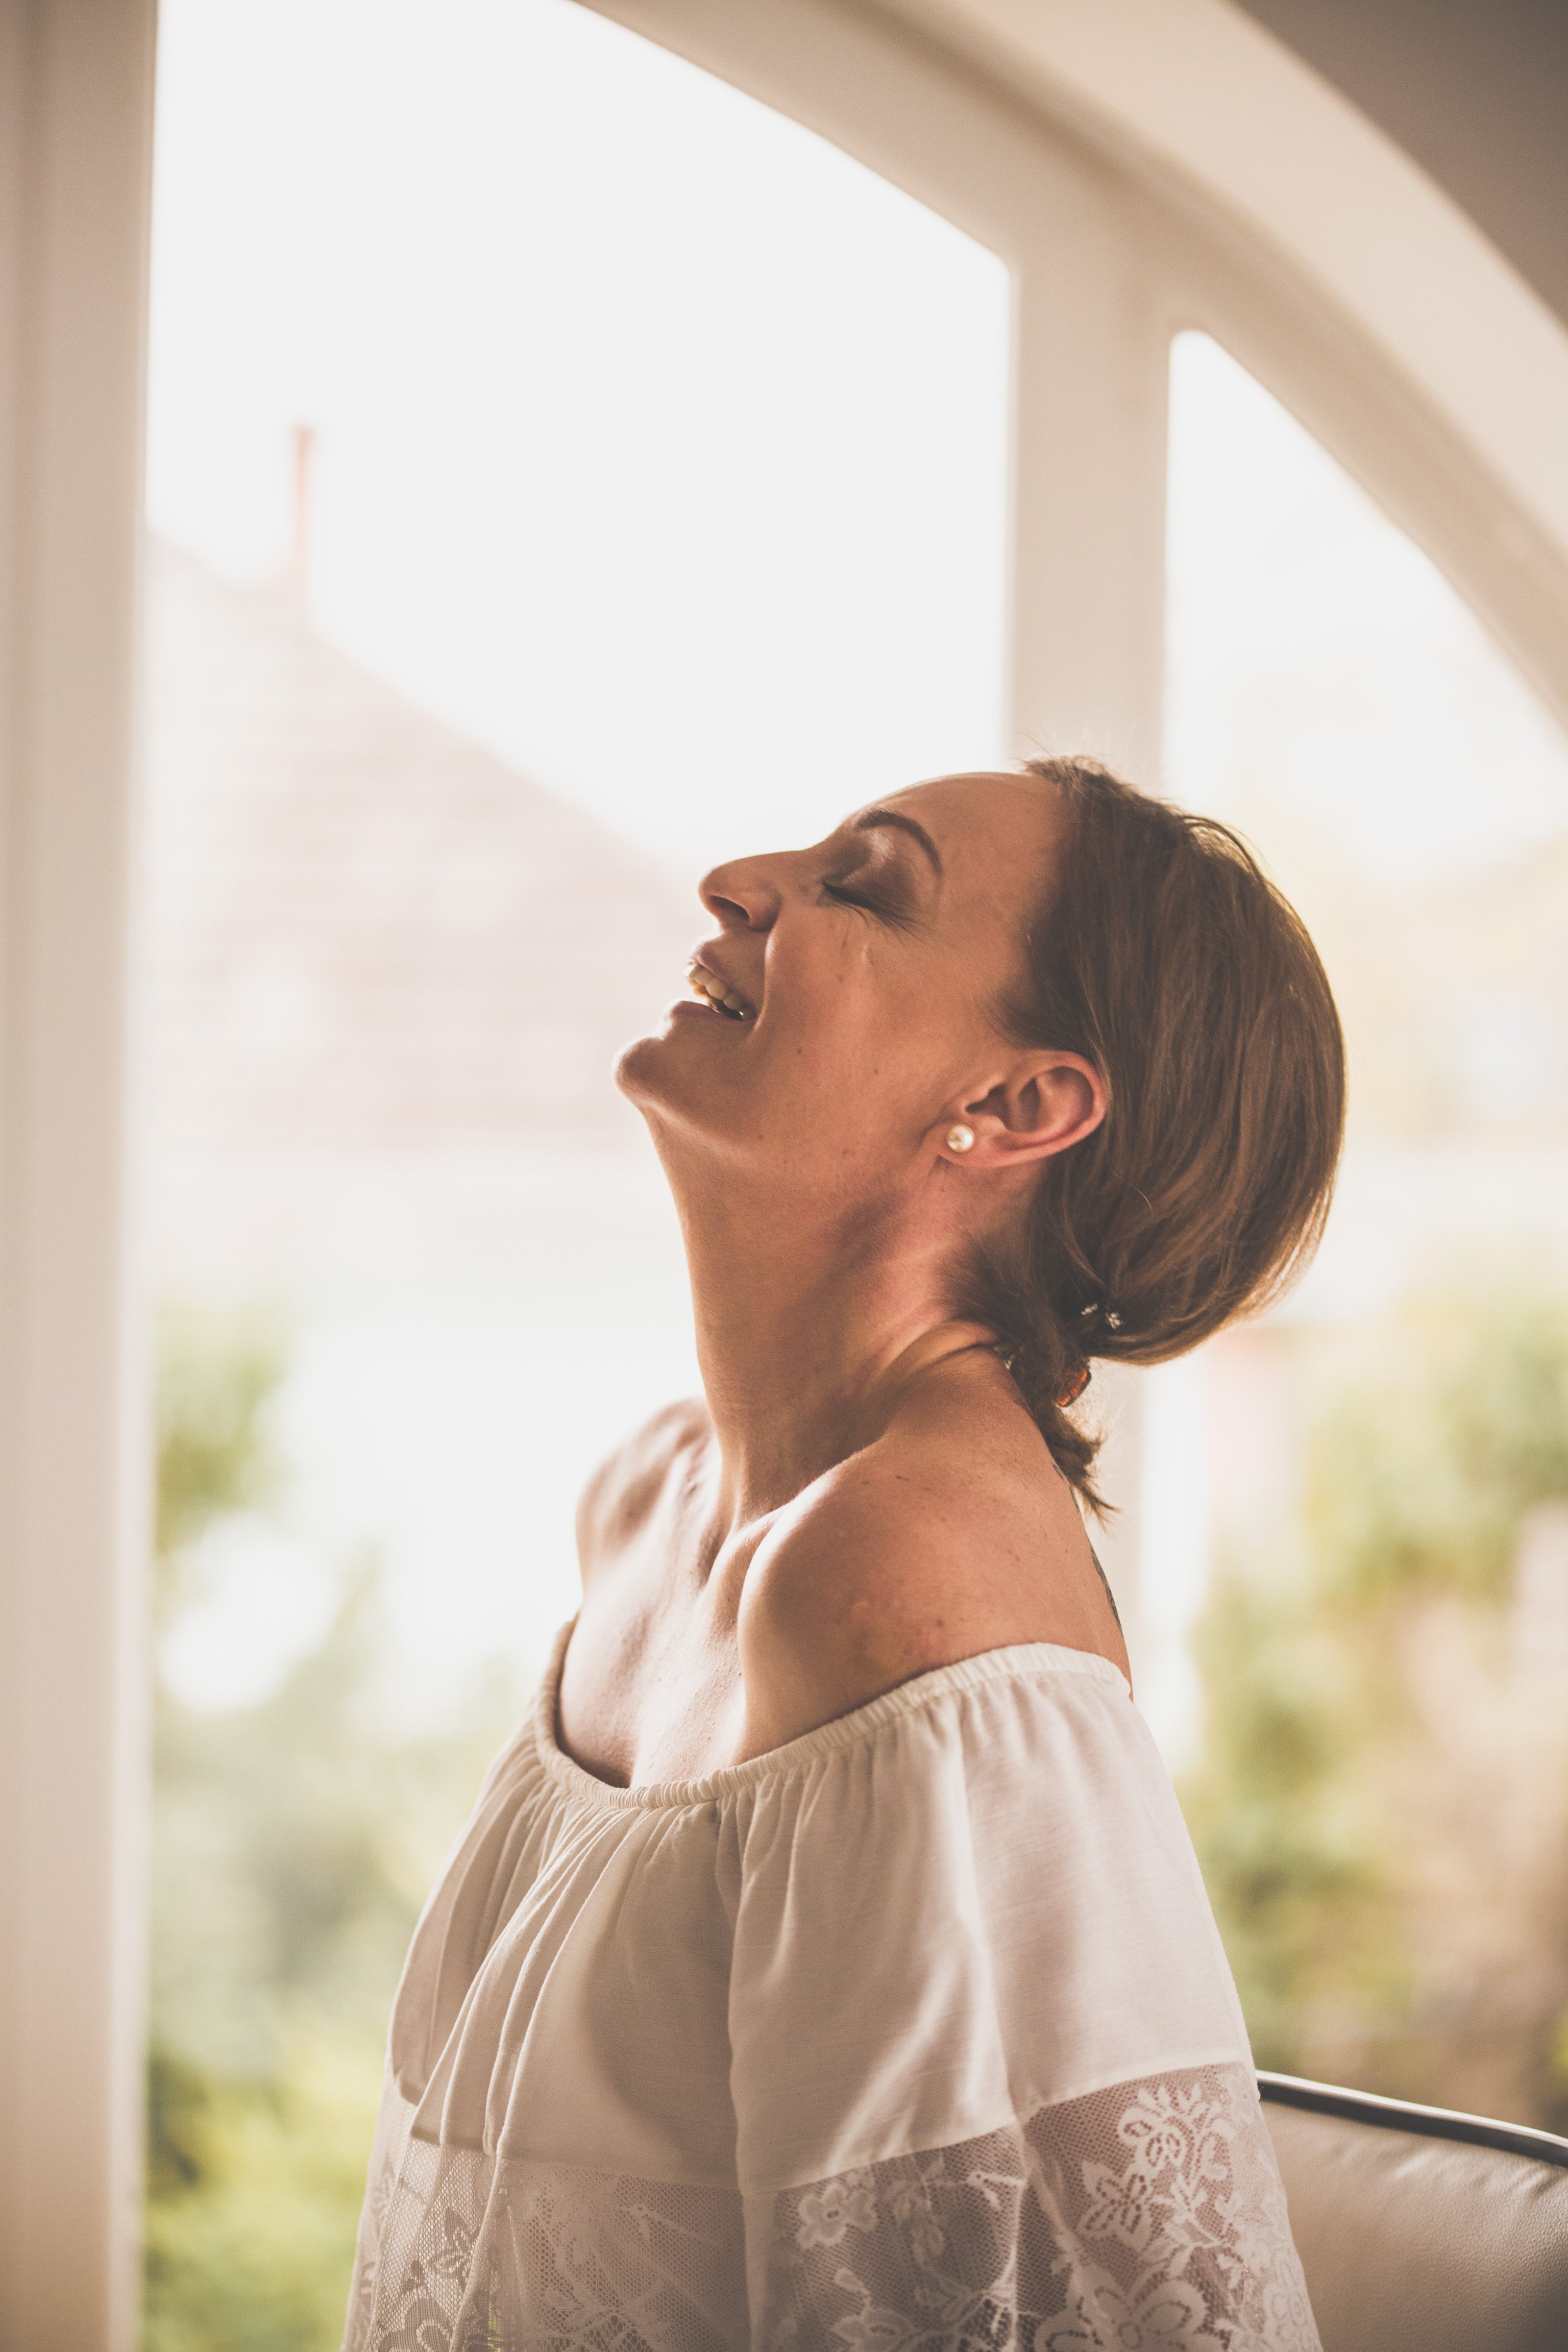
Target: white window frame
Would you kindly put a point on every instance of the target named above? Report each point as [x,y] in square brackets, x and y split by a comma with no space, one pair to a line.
[76,109]
[1142,166]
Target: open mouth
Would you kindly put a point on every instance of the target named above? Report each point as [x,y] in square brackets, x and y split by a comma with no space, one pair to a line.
[717,992]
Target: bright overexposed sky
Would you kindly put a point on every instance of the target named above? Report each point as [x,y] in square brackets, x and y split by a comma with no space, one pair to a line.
[1320,661]
[659,446]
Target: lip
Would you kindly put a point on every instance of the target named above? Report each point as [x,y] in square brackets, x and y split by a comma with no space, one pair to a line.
[692,1004]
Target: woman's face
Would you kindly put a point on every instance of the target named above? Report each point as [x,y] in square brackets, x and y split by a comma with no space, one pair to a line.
[844,1004]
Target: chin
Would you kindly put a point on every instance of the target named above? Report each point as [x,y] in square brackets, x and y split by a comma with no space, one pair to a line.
[672,1089]
[636,1071]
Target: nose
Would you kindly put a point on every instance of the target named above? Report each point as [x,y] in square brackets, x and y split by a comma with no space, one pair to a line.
[742,894]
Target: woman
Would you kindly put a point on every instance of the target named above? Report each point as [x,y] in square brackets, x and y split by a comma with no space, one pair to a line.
[827,1963]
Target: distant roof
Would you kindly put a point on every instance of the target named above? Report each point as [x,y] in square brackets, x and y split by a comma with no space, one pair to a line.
[367,933]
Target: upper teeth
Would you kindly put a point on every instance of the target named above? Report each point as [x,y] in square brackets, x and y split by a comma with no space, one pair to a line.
[704,985]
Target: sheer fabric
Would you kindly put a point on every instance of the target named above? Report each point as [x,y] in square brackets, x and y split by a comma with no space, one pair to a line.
[915,2033]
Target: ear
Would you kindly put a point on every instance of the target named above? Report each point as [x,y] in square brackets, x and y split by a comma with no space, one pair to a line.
[1045,1104]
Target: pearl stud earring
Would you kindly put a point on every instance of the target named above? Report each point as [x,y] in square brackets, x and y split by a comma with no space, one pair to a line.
[960,1138]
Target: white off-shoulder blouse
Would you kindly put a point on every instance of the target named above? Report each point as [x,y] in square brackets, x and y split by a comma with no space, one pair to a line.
[916,2033]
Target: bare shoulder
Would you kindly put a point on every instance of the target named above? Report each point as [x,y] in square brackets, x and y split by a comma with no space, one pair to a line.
[952,1534]
[625,1490]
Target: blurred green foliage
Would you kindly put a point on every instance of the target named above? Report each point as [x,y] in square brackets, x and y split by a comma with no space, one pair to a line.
[1420,1471]
[215,1457]
[1276,1811]
[1372,1783]
[253,2194]
[293,1841]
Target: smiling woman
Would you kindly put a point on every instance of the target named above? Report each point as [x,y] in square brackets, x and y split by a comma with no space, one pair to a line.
[826,1962]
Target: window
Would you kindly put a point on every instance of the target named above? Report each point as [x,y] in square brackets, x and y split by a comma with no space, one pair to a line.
[564,473]
[1352,1508]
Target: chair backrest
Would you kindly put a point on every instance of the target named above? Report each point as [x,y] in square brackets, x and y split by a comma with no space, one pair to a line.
[1421,2231]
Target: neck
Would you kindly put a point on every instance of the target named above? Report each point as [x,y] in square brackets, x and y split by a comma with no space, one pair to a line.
[811,1322]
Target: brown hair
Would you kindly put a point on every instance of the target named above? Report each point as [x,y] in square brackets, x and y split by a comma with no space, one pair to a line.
[1166,957]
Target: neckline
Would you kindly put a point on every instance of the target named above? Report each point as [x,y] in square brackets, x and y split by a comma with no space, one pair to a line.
[1013,1663]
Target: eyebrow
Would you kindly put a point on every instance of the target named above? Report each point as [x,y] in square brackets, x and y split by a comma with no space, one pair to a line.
[871,819]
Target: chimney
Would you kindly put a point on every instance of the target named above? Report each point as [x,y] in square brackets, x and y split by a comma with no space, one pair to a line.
[304,441]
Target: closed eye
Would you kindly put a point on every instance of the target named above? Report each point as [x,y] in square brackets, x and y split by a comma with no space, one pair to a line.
[883,906]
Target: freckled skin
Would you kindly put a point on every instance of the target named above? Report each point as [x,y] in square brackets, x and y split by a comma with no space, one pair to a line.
[860,1495]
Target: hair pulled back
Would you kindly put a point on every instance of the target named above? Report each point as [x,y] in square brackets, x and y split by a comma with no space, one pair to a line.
[1165,956]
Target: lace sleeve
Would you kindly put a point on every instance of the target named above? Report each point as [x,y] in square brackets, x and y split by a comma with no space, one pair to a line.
[1142,2218]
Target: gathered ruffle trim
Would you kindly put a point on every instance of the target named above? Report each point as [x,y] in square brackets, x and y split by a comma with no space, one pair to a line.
[1021,1661]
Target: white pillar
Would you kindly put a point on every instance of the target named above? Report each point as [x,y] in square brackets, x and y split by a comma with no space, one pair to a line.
[74,146]
[1091,363]
[1092,367]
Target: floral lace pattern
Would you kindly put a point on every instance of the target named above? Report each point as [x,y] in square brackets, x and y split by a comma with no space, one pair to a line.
[1142,2218]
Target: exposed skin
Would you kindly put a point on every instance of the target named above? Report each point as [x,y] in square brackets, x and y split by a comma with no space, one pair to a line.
[862,1495]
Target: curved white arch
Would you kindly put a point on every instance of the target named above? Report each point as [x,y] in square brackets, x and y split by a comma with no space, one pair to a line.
[1260,204]
[1198,88]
